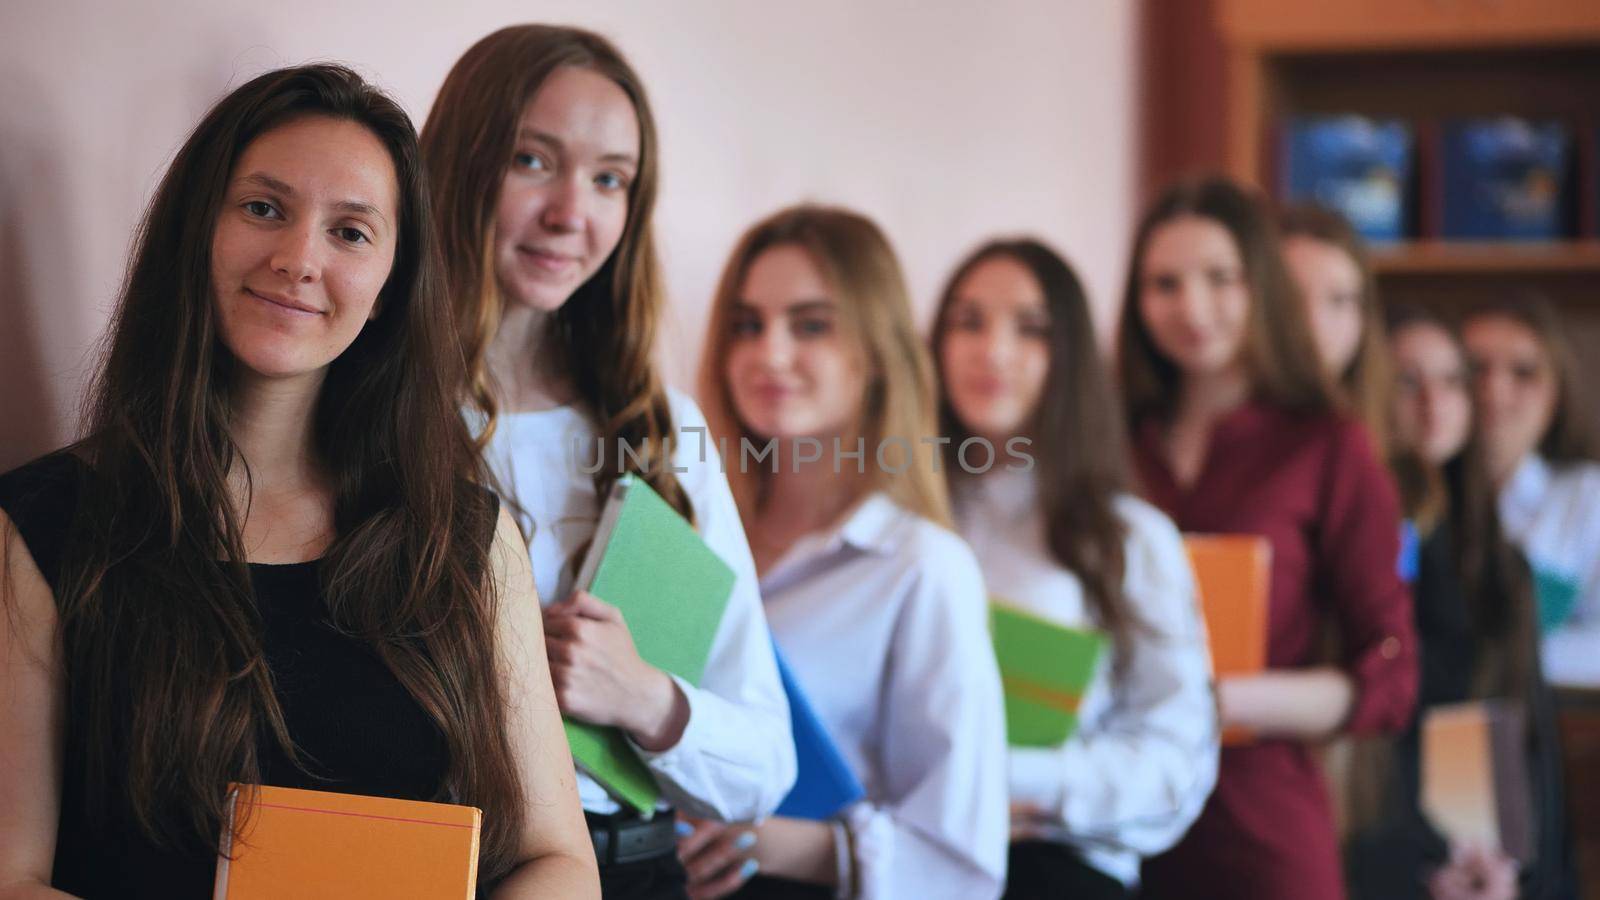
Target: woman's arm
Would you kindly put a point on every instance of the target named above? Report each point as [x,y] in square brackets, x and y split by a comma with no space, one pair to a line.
[557,858]
[1356,542]
[32,712]
[1295,703]
[1137,777]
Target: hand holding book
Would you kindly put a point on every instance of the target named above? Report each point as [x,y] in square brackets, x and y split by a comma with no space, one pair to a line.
[600,678]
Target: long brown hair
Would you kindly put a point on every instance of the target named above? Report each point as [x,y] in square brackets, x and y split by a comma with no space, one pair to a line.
[1465,499]
[161,634]
[1571,436]
[1279,354]
[1077,431]
[856,260]
[603,336]
[1367,381]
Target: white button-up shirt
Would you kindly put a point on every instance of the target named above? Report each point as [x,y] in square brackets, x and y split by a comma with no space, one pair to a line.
[735,761]
[883,620]
[1137,772]
[1552,513]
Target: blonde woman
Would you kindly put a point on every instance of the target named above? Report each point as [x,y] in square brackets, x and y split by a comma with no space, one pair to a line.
[542,152]
[877,605]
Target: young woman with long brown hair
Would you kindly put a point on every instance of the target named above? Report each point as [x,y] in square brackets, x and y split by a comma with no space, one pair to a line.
[1544,458]
[544,160]
[1477,639]
[273,558]
[1236,429]
[878,607]
[1328,263]
[1065,540]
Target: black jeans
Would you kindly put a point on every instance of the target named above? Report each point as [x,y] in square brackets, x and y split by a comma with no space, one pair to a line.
[657,878]
[762,887]
[1042,870]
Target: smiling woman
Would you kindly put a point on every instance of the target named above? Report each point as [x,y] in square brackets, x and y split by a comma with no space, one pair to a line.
[273,559]
[542,151]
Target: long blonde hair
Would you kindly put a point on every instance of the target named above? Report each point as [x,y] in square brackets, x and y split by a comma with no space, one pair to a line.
[856,260]
[603,337]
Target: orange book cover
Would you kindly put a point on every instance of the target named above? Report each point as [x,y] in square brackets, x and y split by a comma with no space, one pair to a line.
[315,844]
[1233,575]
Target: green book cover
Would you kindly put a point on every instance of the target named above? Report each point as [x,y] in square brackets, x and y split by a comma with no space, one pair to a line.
[672,589]
[1045,668]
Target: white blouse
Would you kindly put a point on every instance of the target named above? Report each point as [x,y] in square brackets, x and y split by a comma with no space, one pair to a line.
[1137,772]
[1552,513]
[883,621]
[735,761]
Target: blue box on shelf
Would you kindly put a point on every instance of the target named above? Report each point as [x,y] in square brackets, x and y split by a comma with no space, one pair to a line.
[1357,166]
[1504,179]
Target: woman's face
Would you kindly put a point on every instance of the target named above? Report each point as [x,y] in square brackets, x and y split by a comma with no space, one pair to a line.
[1432,409]
[1330,284]
[304,242]
[995,352]
[1514,384]
[564,200]
[791,370]
[1193,297]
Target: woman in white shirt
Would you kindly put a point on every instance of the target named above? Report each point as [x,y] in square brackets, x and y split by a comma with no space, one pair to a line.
[1061,537]
[542,151]
[1545,461]
[878,608]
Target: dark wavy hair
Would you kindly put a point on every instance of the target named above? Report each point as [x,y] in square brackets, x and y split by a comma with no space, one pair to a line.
[603,336]
[162,637]
[1078,433]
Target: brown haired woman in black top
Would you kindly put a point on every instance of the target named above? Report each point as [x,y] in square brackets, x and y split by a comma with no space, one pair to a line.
[273,559]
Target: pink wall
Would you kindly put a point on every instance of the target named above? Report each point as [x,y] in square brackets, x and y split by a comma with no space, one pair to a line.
[947,122]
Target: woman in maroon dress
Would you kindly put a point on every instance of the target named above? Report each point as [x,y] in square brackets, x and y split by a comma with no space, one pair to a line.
[1236,429]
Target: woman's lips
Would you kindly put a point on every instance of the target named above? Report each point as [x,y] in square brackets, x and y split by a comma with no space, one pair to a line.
[546,261]
[287,305]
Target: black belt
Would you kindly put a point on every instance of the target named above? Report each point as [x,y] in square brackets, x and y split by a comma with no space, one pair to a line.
[625,838]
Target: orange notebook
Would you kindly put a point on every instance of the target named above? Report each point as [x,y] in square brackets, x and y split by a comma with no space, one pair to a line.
[1233,574]
[315,844]
[1475,786]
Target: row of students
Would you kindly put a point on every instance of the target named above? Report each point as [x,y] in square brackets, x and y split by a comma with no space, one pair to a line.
[1479,610]
[300,458]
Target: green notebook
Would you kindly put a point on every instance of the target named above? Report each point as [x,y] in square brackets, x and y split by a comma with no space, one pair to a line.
[672,589]
[1045,668]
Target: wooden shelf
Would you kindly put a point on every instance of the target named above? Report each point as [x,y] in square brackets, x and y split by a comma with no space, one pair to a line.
[1475,257]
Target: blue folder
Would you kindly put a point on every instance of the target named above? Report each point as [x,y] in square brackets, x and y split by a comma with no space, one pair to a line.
[824,784]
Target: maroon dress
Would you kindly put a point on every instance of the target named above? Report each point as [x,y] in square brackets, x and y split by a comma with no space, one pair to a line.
[1312,485]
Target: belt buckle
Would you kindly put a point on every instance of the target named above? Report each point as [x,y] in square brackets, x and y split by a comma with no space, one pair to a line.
[630,839]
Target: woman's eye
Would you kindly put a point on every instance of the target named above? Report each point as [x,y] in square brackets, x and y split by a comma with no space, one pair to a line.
[261,209]
[531,161]
[352,235]
[812,327]
[745,327]
[611,181]
[966,320]
[1220,277]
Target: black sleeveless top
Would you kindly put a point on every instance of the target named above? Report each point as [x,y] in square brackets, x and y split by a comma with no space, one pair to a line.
[360,731]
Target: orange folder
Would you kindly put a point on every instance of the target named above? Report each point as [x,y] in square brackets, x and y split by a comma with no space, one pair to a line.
[315,844]
[1233,575]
